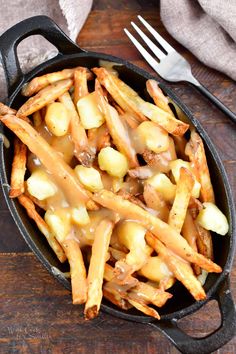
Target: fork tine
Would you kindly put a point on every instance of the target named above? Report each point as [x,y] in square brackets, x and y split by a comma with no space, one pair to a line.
[151,61]
[149,43]
[156,35]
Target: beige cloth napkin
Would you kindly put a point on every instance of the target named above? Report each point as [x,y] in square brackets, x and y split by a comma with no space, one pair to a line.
[207,28]
[70,15]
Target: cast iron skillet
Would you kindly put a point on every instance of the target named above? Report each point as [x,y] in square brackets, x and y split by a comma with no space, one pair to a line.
[182,304]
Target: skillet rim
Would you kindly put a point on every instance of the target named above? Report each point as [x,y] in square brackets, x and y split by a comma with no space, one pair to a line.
[229,199]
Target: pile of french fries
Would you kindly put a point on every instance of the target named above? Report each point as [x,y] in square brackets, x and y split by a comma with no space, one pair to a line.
[115,187]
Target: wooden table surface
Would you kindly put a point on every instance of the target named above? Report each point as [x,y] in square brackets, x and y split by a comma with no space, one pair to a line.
[36,314]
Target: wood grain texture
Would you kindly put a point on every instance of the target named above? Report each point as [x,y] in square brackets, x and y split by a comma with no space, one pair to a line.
[36,314]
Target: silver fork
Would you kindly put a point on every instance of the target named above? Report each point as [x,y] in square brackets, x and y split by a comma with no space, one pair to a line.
[171,65]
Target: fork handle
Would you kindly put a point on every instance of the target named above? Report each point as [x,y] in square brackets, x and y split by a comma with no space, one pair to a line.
[215,100]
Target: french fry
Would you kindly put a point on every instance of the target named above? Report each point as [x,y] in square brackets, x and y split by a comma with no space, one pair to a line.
[114,297]
[37,119]
[78,134]
[190,234]
[77,270]
[122,286]
[154,200]
[181,269]
[149,294]
[172,239]
[183,193]
[18,169]
[196,152]
[132,122]
[158,97]
[129,100]
[80,84]
[141,306]
[129,119]
[44,97]
[43,227]
[204,241]
[39,82]
[117,131]
[194,207]
[180,145]
[102,90]
[141,172]
[6,110]
[63,173]
[107,79]
[116,254]
[96,268]
[98,138]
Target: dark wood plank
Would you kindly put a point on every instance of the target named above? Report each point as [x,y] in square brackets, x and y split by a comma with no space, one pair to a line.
[36,316]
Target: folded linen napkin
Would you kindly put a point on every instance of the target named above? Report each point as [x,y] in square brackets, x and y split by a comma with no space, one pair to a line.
[207,28]
[70,15]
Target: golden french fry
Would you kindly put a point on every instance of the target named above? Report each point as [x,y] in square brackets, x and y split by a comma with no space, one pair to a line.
[98,138]
[80,84]
[6,110]
[171,238]
[129,100]
[158,97]
[190,234]
[96,268]
[129,119]
[149,294]
[102,90]
[43,227]
[121,285]
[194,207]
[118,93]
[63,173]
[78,133]
[18,169]
[204,241]
[37,119]
[141,172]
[118,131]
[181,269]
[77,270]
[114,297]
[141,306]
[44,97]
[38,83]
[180,145]
[196,152]
[189,230]
[116,254]
[180,205]
[154,200]
[132,122]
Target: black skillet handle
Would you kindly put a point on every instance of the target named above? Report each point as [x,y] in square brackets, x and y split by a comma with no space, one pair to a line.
[9,41]
[227,330]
